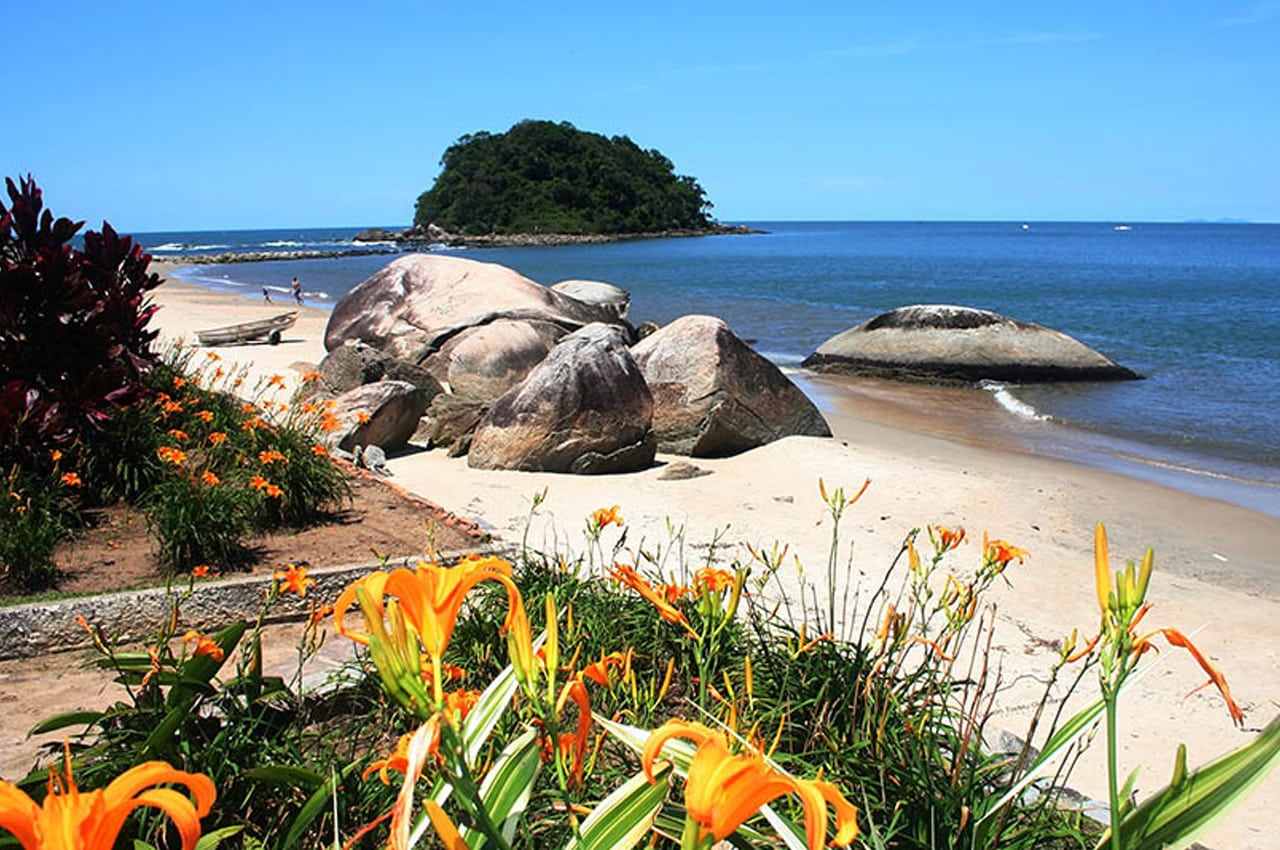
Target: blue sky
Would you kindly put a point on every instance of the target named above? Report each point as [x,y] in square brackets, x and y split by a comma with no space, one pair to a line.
[179,116]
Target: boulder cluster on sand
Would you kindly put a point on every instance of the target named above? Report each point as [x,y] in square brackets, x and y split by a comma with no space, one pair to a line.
[948,344]
[479,360]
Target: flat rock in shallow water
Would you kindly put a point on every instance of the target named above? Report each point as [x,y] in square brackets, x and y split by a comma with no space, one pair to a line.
[944,343]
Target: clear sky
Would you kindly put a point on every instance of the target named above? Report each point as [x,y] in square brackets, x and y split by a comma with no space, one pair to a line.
[199,115]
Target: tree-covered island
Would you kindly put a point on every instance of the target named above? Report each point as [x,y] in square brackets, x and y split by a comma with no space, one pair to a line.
[543,177]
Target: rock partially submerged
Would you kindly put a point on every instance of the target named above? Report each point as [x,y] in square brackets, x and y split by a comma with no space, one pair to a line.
[713,396]
[945,343]
[585,409]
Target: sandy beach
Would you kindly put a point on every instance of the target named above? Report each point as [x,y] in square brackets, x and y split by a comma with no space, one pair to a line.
[1215,573]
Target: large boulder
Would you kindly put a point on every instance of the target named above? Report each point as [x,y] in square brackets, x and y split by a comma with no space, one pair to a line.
[945,343]
[415,303]
[585,409]
[450,421]
[597,293]
[714,396]
[384,413]
[355,364]
[481,363]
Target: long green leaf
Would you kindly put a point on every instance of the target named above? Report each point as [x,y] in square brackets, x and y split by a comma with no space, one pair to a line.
[488,710]
[62,721]
[1176,815]
[210,840]
[507,787]
[314,806]
[287,776]
[1066,735]
[479,724]
[625,817]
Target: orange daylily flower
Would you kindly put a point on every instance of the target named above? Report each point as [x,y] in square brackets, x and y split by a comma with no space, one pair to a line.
[947,538]
[55,455]
[71,479]
[632,579]
[362,417]
[92,820]
[605,516]
[1123,604]
[431,595]
[427,602]
[1000,552]
[209,478]
[178,434]
[205,415]
[171,406]
[179,382]
[598,671]
[712,579]
[271,457]
[200,571]
[293,579]
[319,450]
[169,454]
[217,438]
[204,645]
[723,789]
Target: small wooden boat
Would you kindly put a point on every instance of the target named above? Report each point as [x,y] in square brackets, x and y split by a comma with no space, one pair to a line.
[269,329]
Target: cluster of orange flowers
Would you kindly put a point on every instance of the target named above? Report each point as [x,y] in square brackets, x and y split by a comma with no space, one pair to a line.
[262,485]
[172,455]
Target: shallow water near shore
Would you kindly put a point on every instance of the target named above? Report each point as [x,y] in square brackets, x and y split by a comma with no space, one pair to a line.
[1191,307]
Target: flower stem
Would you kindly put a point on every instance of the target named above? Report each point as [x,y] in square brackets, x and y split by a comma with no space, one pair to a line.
[1113,774]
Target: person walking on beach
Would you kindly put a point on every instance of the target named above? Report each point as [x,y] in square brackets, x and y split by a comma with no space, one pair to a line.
[297,292]
[266,295]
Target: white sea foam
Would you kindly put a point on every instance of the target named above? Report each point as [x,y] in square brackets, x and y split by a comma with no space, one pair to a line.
[1012,403]
[182,246]
[282,243]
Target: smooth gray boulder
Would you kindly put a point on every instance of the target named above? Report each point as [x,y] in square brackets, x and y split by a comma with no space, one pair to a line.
[416,302]
[946,343]
[714,396]
[384,413]
[481,363]
[597,293]
[585,409]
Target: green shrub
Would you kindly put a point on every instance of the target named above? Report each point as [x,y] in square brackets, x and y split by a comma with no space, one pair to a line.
[33,522]
[199,519]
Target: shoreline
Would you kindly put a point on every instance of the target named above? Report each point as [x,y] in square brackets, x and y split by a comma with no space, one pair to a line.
[1215,577]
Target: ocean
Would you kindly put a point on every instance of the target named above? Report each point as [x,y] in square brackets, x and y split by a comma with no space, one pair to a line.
[1192,307]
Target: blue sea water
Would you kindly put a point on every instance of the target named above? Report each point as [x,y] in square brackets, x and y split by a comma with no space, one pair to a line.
[1193,307]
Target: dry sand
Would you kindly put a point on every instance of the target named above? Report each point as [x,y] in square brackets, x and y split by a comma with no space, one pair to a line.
[1215,562]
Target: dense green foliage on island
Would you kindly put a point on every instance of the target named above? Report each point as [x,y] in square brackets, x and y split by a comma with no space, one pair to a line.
[541,176]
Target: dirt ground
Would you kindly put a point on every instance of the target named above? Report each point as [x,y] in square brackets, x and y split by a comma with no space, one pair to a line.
[116,554]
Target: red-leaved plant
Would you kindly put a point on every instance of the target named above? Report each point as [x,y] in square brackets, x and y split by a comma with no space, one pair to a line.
[73,326]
